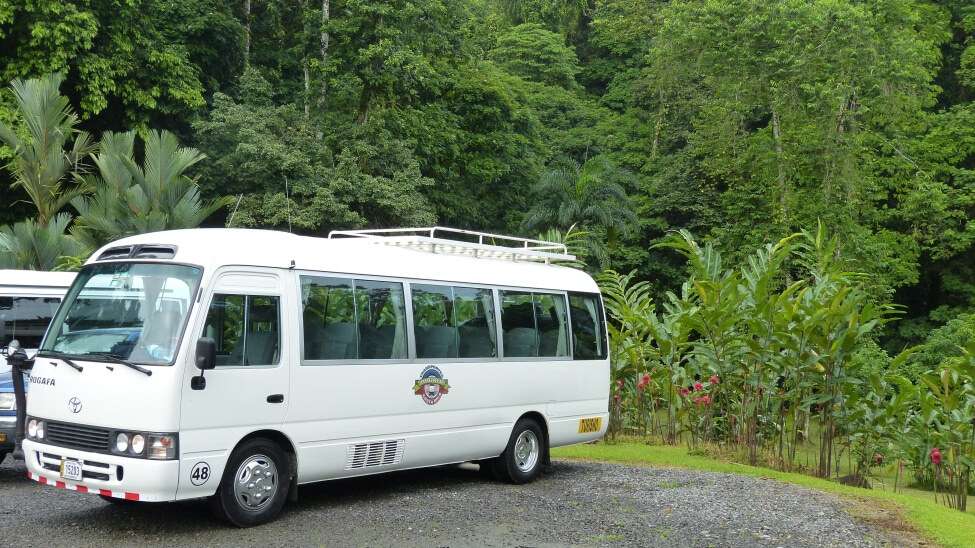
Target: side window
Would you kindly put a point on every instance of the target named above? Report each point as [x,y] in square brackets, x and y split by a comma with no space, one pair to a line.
[553,325]
[245,328]
[453,322]
[518,325]
[588,330]
[25,319]
[474,315]
[381,319]
[433,321]
[329,319]
[347,319]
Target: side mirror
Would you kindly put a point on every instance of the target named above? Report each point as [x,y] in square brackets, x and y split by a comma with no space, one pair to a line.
[15,354]
[206,353]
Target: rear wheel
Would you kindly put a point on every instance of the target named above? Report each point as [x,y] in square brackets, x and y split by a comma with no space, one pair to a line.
[255,484]
[522,460]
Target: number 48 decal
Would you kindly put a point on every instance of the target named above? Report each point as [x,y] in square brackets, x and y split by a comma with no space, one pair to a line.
[200,473]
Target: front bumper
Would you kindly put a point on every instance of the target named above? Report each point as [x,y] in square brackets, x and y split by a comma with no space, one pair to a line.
[109,475]
[8,429]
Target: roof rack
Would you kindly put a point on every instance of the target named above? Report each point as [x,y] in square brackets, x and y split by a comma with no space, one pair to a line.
[455,241]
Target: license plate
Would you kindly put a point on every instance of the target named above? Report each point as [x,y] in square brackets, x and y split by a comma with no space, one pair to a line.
[71,470]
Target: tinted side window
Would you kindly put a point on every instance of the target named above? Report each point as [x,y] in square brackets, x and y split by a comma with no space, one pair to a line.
[381,319]
[474,315]
[433,321]
[328,313]
[553,325]
[588,330]
[347,319]
[518,325]
[25,319]
[245,329]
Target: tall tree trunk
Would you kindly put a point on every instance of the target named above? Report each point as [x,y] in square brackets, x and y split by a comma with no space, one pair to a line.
[304,66]
[323,46]
[247,32]
[780,160]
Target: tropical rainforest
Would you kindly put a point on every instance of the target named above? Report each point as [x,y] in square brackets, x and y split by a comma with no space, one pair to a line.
[815,130]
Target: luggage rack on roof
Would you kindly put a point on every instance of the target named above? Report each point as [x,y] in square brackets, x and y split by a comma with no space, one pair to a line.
[455,241]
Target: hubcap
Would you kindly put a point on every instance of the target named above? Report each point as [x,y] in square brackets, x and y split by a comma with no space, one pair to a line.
[526,451]
[256,482]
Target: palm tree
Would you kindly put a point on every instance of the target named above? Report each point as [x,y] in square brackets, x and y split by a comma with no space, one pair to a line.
[35,246]
[590,197]
[134,199]
[43,161]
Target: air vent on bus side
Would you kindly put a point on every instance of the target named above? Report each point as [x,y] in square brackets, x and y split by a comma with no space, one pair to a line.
[144,251]
[375,453]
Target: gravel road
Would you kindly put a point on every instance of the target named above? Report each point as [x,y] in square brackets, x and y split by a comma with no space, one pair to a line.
[574,504]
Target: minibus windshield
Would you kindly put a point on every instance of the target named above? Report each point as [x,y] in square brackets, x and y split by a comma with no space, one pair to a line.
[130,311]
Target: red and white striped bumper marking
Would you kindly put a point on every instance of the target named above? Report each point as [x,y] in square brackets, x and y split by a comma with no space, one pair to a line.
[82,489]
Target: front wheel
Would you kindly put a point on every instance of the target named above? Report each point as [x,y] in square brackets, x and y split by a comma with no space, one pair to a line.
[255,484]
[522,459]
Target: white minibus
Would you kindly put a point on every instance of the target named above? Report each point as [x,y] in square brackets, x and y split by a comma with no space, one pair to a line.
[28,300]
[239,364]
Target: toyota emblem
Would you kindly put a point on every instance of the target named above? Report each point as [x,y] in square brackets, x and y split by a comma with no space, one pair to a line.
[74,404]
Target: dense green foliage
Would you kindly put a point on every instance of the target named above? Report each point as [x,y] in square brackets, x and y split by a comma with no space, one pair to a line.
[612,124]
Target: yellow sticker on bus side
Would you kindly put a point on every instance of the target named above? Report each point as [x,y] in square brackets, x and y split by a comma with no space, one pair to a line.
[590,425]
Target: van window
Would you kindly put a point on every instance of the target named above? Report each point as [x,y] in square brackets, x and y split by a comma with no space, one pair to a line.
[245,328]
[588,329]
[381,320]
[434,325]
[25,319]
[518,325]
[347,319]
[453,322]
[476,325]
[553,325]
[534,325]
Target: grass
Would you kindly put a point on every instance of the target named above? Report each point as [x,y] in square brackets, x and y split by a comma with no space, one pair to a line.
[935,522]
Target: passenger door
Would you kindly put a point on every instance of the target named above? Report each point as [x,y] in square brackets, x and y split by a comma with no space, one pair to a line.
[245,313]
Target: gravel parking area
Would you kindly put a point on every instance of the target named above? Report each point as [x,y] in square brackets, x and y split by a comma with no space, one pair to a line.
[574,504]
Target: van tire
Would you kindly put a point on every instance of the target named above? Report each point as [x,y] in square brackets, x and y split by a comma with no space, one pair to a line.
[260,458]
[524,456]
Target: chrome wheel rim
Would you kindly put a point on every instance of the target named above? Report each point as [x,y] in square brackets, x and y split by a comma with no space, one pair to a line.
[256,483]
[527,451]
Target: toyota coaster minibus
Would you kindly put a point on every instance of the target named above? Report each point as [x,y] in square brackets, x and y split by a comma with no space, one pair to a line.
[239,364]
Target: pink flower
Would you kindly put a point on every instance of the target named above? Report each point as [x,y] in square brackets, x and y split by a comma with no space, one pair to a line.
[616,397]
[619,384]
[715,379]
[703,400]
[643,382]
[698,387]
[936,456]
[684,391]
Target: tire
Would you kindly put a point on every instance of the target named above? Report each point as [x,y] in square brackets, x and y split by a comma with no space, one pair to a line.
[524,457]
[248,503]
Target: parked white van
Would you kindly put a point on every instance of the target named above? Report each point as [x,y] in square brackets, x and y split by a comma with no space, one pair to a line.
[239,364]
[28,300]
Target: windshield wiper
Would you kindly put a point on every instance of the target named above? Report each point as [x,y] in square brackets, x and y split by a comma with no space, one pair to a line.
[115,358]
[59,355]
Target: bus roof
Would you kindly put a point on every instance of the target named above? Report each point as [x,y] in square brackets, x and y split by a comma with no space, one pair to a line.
[215,247]
[22,279]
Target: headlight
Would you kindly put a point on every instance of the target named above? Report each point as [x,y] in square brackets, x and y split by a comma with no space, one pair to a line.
[162,446]
[145,445]
[7,401]
[138,444]
[122,442]
[35,428]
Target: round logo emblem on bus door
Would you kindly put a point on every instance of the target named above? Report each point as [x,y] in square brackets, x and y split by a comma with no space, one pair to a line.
[431,385]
